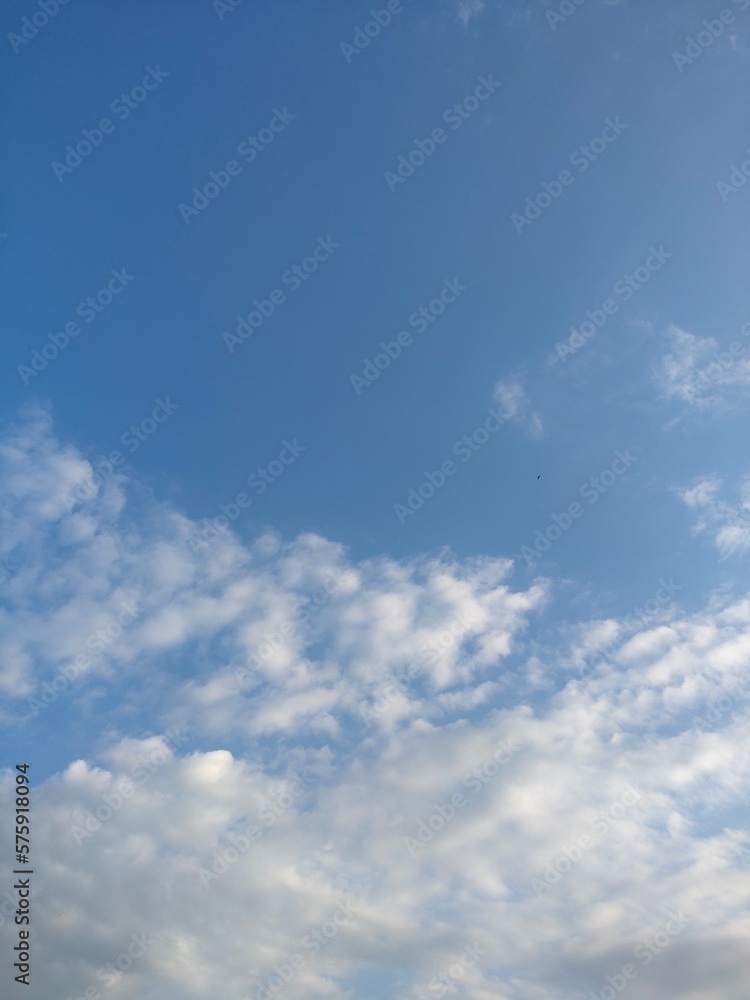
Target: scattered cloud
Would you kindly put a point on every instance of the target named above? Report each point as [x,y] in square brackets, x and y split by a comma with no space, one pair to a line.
[727,523]
[697,371]
[510,395]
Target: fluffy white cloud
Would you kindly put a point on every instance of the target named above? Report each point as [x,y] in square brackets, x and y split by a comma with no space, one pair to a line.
[398,790]
[294,629]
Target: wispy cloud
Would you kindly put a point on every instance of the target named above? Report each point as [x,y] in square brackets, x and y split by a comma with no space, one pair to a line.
[510,395]
[469,9]
[698,372]
[729,524]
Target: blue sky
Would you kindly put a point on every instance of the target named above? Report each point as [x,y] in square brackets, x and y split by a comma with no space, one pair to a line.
[587,168]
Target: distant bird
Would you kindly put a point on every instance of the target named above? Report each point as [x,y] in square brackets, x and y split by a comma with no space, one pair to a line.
[538,477]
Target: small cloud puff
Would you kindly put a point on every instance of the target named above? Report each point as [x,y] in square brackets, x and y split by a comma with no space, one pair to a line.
[728,523]
[510,396]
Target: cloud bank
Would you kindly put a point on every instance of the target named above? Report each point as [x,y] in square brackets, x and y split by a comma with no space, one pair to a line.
[359,772]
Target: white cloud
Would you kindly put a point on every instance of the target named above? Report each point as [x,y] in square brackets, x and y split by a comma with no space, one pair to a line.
[315,634]
[132,834]
[342,837]
[729,524]
[697,371]
[510,395]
